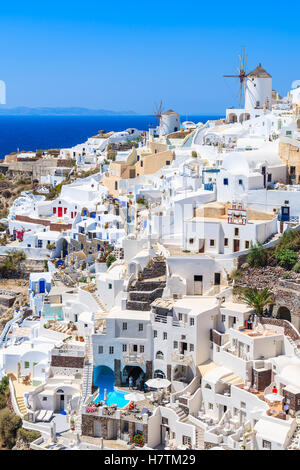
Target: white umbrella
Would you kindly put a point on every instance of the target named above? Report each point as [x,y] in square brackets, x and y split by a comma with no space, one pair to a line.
[158,383]
[134,397]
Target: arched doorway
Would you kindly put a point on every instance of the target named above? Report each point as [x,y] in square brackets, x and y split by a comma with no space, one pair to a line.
[232,118]
[135,372]
[284,314]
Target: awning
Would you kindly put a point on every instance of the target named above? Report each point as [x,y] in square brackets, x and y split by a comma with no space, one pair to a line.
[206,367]
[232,379]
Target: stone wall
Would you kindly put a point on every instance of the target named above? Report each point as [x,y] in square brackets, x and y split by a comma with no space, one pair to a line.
[261,378]
[67,361]
[294,400]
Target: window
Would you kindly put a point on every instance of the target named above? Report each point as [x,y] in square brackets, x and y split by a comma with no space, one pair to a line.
[124,347]
[142,348]
[110,286]
[116,185]
[225,181]
[124,326]
[44,398]
[111,349]
[155,334]
[240,182]
[211,242]
[234,320]
[40,243]
[186,440]
[26,365]
[100,349]
[223,317]
[269,178]
[210,406]
[175,344]
[225,241]
[165,335]
[168,162]
[236,232]
[180,316]
[247,244]
[141,327]
[191,347]
[164,421]
[192,321]
[217,279]
[191,241]
[266,444]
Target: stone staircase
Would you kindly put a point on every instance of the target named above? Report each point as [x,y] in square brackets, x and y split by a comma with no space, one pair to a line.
[295,346]
[149,288]
[199,439]
[87,379]
[99,303]
[183,417]
[21,405]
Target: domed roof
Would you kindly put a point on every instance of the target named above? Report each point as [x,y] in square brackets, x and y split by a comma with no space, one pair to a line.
[236,164]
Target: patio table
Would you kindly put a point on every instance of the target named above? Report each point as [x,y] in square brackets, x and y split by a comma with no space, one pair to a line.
[273,397]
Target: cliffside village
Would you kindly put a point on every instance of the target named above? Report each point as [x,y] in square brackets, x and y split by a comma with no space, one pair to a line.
[134,334]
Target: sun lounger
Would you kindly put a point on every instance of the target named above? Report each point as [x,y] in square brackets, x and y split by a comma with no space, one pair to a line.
[41,414]
[47,416]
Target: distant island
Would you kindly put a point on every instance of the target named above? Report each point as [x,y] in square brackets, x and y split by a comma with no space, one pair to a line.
[72,111]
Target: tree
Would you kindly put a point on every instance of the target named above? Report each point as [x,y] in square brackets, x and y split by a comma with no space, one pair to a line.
[257,255]
[110,260]
[9,425]
[257,298]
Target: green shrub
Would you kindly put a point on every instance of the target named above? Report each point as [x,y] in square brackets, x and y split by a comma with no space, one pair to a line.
[3,401]
[257,255]
[110,260]
[28,435]
[296,267]
[9,425]
[286,258]
[289,240]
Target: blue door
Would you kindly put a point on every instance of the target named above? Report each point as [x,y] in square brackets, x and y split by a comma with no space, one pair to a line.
[42,286]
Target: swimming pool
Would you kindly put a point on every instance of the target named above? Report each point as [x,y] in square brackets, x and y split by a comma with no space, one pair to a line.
[104,378]
[52,312]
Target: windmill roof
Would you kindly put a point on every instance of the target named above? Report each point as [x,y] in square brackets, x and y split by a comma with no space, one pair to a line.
[170,111]
[259,72]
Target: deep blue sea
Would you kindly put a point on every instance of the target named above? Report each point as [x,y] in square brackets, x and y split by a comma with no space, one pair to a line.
[44,132]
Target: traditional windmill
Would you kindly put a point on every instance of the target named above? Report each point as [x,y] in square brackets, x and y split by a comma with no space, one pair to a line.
[158,110]
[242,74]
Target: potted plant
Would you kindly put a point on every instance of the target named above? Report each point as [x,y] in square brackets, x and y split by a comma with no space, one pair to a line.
[77,337]
[81,339]
[72,424]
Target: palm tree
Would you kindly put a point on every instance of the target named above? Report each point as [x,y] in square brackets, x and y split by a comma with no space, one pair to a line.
[257,298]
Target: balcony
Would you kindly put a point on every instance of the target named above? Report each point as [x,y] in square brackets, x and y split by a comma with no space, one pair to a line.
[160,318]
[292,219]
[133,358]
[185,359]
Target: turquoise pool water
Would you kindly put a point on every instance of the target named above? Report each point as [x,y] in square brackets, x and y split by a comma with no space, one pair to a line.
[52,312]
[104,378]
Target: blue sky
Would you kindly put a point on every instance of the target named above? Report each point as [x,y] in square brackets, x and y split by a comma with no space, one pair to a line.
[127,55]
